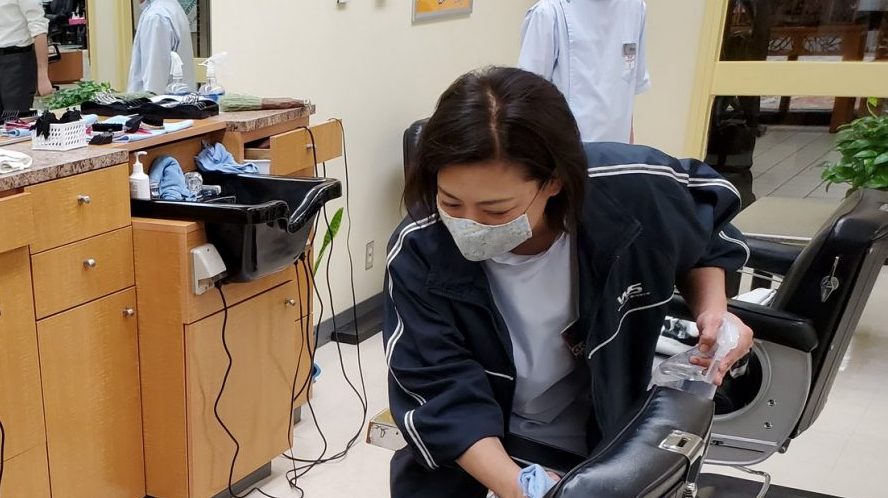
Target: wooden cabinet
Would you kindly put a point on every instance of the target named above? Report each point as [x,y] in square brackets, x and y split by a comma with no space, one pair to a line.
[294,152]
[89,357]
[83,271]
[17,226]
[80,206]
[265,339]
[21,401]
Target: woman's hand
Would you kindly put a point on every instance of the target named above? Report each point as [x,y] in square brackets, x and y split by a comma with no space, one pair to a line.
[709,323]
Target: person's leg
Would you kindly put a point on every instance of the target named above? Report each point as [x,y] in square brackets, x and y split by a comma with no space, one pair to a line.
[18,81]
[409,479]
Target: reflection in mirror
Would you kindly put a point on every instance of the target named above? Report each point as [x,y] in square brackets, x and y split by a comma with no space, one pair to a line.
[198,12]
[806,30]
[768,151]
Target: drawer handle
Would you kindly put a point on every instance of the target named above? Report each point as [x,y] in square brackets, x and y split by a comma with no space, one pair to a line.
[89,263]
[128,312]
[83,199]
[290,302]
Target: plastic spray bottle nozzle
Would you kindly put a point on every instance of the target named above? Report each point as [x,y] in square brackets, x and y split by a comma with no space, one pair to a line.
[175,64]
[727,340]
[211,62]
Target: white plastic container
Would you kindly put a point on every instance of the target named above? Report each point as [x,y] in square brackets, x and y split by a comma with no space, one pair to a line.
[67,136]
[140,187]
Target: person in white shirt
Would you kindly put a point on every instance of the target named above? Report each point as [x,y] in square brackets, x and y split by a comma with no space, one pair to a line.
[593,51]
[23,54]
[163,28]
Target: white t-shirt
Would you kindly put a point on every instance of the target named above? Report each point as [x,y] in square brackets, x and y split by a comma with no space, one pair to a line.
[537,297]
[593,51]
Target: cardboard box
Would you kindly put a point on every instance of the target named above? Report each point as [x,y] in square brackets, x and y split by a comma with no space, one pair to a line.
[383,432]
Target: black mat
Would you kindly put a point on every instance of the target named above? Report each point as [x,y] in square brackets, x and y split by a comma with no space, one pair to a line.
[719,486]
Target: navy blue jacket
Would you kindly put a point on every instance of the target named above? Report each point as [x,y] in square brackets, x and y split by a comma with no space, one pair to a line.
[647,219]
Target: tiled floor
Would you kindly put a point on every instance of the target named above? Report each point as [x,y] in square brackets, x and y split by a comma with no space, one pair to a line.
[843,454]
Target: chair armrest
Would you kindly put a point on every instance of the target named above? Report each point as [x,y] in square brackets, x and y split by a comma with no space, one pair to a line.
[772,257]
[660,447]
[779,327]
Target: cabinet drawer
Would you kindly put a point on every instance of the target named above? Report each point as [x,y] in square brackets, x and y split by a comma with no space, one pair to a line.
[26,475]
[291,152]
[21,402]
[17,227]
[89,358]
[79,207]
[83,271]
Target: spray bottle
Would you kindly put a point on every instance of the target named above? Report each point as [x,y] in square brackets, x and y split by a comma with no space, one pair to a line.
[177,84]
[212,89]
[679,373]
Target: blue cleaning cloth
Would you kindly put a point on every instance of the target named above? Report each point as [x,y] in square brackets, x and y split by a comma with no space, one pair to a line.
[167,172]
[217,158]
[535,481]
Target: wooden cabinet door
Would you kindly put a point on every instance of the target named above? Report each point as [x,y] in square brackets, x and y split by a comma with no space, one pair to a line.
[89,357]
[264,337]
[21,403]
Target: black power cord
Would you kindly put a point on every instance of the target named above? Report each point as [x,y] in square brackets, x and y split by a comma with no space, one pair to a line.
[296,473]
[2,451]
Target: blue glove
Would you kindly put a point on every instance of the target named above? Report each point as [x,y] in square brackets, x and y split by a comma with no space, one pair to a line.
[535,481]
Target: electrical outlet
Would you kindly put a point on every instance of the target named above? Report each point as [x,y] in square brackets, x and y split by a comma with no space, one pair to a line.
[368,256]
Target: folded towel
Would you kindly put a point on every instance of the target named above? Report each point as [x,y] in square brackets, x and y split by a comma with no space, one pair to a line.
[17,132]
[143,134]
[167,173]
[181,125]
[90,119]
[217,158]
[535,482]
[11,160]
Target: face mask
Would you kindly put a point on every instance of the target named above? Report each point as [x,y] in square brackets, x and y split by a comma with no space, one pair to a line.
[479,242]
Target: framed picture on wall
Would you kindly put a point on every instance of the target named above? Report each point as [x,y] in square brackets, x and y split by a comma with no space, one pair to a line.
[434,9]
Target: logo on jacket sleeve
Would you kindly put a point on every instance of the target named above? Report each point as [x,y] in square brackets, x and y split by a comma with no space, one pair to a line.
[632,292]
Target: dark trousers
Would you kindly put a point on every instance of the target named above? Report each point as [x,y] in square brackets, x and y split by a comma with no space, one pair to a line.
[409,479]
[18,81]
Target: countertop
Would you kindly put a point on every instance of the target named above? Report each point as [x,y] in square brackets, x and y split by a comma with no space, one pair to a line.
[50,165]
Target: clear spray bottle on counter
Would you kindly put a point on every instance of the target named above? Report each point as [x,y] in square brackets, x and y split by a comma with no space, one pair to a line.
[177,84]
[212,89]
[679,373]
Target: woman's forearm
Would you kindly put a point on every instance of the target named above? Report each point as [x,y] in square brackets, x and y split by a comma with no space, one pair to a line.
[488,462]
[704,290]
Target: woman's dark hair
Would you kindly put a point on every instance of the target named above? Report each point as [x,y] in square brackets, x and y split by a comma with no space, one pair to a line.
[501,113]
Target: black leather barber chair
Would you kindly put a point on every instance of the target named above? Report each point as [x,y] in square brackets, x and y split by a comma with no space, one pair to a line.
[801,339]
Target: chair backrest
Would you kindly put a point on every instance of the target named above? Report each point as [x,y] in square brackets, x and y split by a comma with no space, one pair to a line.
[411,142]
[830,283]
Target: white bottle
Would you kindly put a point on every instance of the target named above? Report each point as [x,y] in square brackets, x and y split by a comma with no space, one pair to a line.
[177,84]
[212,89]
[138,181]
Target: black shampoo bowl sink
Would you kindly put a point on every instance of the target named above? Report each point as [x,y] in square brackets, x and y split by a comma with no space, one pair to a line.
[260,224]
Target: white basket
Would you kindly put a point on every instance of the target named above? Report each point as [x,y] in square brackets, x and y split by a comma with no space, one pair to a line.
[62,137]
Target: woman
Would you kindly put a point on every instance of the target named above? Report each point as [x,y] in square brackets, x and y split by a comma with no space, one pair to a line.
[527,288]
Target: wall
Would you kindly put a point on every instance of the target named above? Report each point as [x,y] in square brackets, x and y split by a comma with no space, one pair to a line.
[673,39]
[366,63]
[110,43]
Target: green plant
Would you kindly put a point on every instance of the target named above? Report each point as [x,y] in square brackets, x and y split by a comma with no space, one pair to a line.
[863,144]
[83,91]
[332,230]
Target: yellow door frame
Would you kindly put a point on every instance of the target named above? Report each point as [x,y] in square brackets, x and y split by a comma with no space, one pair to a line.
[123,25]
[753,78]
